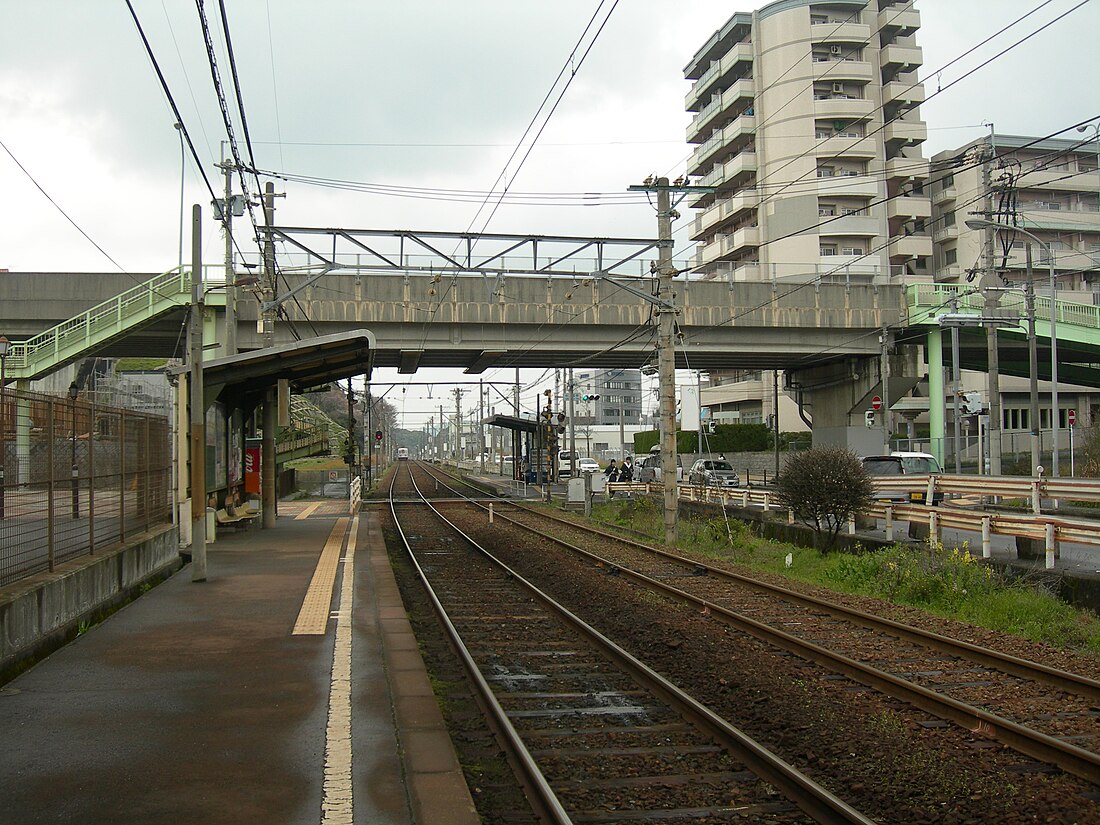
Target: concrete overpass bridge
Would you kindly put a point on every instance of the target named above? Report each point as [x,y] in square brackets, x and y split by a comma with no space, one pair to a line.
[824,335]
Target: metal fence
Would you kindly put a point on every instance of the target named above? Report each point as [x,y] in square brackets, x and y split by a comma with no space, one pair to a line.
[76,477]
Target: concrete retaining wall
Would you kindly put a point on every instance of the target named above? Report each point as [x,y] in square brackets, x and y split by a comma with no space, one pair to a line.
[44,612]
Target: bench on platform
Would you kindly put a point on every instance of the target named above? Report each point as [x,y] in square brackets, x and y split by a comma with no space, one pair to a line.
[240,519]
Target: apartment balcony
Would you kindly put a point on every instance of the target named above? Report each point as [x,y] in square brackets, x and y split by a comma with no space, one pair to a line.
[900,91]
[727,246]
[903,168]
[723,211]
[908,132]
[899,58]
[860,226]
[738,166]
[701,88]
[907,21]
[836,71]
[944,194]
[742,127]
[942,233]
[948,274]
[704,121]
[911,246]
[847,147]
[844,108]
[909,208]
[855,186]
[842,33]
[1058,179]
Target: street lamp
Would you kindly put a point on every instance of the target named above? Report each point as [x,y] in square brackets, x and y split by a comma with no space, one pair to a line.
[5,346]
[983,223]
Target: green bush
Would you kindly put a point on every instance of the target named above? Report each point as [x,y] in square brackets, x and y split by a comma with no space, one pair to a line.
[825,487]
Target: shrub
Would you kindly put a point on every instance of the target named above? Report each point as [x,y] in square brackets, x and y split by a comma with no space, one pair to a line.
[825,487]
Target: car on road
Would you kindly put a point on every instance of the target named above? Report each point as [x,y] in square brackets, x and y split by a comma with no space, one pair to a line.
[902,464]
[650,469]
[587,465]
[711,472]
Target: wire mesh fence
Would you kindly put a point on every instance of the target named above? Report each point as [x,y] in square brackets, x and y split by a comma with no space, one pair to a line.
[76,477]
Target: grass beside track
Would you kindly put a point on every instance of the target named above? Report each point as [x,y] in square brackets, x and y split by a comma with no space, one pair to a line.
[944,581]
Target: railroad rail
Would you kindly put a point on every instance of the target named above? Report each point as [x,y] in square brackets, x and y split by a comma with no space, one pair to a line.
[544,673]
[922,689]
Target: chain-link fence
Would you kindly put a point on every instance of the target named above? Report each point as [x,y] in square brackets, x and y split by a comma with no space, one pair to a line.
[76,477]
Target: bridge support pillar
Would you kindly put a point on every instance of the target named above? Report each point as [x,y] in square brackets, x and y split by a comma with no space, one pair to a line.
[23,426]
[937,419]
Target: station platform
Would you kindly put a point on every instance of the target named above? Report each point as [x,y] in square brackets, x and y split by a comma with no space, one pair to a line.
[286,688]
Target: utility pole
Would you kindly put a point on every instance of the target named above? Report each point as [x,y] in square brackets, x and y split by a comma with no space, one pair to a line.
[992,300]
[267,317]
[666,360]
[666,326]
[571,399]
[458,423]
[481,423]
[230,277]
[440,445]
[197,417]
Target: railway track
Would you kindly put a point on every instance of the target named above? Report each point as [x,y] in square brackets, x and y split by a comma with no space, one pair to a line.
[1047,714]
[597,736]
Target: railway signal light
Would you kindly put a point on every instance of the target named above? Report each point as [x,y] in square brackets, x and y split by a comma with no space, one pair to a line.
[378,436]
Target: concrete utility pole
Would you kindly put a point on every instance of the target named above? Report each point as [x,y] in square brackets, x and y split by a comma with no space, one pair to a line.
[458,423]
[230,277]
[267,316]
[666,325]
[198,406]
[571,400]
[992,300]
[666,360]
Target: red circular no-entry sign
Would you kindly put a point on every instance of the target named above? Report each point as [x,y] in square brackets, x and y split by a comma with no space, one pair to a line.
[876,403]
[1071,417]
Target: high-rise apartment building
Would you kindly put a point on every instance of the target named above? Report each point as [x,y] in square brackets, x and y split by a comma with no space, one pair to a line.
[1048,187]
[806,122]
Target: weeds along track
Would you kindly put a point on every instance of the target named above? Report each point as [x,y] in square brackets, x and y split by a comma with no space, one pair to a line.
[596,736]
[1013,718]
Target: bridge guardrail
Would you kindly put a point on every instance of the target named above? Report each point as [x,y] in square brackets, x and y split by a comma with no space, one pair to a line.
[1035,526]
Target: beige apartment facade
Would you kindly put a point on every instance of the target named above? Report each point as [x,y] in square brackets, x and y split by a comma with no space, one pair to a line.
[806,123]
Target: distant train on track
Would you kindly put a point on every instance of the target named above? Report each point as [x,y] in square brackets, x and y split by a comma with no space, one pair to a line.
[402,453]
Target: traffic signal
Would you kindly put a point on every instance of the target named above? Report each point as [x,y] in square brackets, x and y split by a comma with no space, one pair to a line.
[869,419]
[589,397]
[378,436]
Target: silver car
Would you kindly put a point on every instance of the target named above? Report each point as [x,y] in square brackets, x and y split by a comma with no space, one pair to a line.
[713,473]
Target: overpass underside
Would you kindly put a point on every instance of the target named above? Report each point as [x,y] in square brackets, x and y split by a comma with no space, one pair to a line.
[477,322]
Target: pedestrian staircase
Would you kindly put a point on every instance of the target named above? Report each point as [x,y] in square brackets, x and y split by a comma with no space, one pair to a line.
[99,326]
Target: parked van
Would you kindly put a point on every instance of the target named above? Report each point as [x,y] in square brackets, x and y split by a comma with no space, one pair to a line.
[902,464]
[650,468]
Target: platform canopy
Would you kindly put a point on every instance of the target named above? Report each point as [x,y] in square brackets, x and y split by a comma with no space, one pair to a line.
[242,380]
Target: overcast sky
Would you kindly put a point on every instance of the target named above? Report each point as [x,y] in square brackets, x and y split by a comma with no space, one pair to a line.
[423,93]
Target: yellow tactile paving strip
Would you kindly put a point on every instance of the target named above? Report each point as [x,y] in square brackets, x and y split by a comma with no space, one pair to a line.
[337,806]
[307,511]
[313,617]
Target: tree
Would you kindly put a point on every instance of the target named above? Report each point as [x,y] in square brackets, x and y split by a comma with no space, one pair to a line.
[825,487]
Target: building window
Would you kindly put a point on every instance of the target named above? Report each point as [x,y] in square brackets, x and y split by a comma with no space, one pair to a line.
[826,210]
[826,171]
[950,256]
[852,250]
[828,249]
[948,219]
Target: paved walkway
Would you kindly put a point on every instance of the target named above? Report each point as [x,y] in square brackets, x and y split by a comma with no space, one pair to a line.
[198,703]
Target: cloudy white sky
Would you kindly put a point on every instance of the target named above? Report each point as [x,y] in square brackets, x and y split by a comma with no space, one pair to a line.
[423,93]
